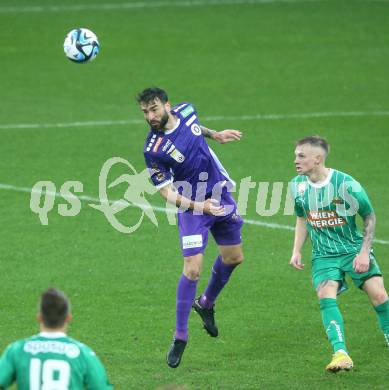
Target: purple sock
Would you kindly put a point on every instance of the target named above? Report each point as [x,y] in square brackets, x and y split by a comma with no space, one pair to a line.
[220,275]
[186,293]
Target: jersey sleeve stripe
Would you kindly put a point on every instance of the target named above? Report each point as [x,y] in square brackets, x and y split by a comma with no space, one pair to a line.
[191,120]
[176,109]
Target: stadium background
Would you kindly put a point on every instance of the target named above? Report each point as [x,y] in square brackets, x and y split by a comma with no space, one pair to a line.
[277,70]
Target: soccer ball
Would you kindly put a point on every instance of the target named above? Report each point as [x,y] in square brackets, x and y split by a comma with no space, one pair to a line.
[81,45]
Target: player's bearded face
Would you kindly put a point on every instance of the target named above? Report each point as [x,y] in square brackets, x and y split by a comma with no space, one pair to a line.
[159,124]
[156,114]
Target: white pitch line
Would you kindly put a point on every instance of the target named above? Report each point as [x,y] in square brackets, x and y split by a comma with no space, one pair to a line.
[143,4]
[270,225]
[140,5]
[258,117]
[71,124]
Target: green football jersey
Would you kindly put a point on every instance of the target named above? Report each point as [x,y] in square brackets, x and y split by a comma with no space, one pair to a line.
[51,361]
[330,210]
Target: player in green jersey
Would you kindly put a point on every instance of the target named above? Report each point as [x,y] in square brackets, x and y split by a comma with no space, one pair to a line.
[326,204]
[51,360]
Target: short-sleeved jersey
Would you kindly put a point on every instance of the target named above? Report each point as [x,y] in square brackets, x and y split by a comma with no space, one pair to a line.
[330,210]
[52,361]
[181,155]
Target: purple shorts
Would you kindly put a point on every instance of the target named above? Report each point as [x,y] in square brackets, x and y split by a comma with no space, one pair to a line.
[193,229]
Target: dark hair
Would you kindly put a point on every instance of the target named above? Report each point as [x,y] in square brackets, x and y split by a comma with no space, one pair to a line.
[315,140]
[54,307]
[148,95]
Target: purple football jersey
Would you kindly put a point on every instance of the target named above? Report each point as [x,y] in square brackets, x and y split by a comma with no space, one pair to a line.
[181,156]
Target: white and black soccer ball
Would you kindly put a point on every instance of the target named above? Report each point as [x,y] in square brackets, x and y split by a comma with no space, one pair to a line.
[81,45]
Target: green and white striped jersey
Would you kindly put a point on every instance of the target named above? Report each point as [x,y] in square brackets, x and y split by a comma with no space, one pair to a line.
[51,361]
[330,210]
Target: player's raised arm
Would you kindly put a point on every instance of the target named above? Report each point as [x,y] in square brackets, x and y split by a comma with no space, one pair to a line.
[223,136]
[209,206]
[300,236]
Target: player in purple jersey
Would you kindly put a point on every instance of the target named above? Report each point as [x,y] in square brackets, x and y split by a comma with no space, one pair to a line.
[188,174]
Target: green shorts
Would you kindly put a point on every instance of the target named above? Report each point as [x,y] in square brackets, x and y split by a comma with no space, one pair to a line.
[336,268]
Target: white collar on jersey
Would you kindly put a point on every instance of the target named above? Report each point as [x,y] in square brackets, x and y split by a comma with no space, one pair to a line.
[52,335]
[322,183]
[174,128]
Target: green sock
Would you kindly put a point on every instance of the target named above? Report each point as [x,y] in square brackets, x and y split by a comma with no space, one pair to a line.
[333,323]
[383,318]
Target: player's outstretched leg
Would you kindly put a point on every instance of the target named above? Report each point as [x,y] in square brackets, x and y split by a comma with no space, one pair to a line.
[333,324]
[186,292]
[204,305]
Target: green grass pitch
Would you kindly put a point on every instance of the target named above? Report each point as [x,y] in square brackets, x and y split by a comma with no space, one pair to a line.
[320,67]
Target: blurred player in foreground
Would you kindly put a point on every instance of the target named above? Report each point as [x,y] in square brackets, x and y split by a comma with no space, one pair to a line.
[51,360]
[326,203]
[188,174]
